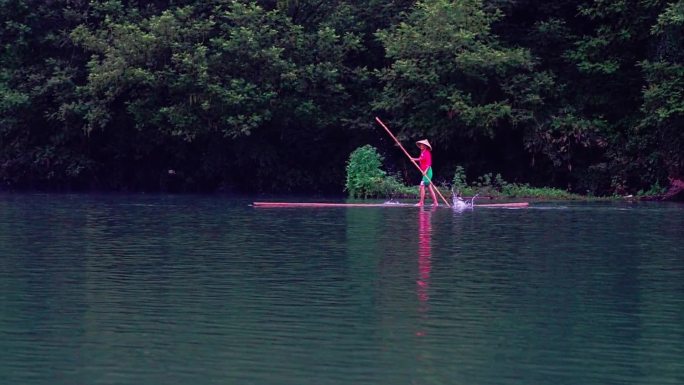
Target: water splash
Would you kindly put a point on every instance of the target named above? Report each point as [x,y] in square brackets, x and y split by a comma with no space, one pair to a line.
[391,202]
[459,204]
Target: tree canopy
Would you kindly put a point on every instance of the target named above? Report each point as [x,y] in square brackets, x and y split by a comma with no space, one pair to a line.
[273,95]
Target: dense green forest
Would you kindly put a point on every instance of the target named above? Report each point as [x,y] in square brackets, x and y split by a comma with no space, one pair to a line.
[273,95]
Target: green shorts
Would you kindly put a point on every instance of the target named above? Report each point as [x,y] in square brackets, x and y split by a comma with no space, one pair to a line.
[427,177]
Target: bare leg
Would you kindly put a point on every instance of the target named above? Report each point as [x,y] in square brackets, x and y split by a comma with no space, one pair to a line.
[434,196]
[422,195]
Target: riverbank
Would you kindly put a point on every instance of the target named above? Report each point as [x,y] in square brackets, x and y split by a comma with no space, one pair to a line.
[512,191]
[505,191]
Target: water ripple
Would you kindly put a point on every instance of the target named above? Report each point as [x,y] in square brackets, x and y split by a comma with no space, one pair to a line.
[174,290]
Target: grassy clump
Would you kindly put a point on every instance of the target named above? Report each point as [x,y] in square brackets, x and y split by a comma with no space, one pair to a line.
[495,186]
[654,191]
[515,190]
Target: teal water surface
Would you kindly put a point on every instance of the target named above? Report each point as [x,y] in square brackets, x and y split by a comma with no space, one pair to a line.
[136,289]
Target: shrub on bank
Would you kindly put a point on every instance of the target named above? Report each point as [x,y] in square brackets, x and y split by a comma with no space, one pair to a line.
[367,179]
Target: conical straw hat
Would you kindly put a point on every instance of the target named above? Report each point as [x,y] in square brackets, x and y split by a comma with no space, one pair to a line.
[425,142]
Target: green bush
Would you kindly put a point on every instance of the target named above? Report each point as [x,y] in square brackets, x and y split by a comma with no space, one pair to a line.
[365,178]
[459,183]
[654,190]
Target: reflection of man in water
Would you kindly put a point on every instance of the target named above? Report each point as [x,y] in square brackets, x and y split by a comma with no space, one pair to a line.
[424,256]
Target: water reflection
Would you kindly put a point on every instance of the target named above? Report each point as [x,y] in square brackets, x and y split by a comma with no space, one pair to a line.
[424,256]
[424,263]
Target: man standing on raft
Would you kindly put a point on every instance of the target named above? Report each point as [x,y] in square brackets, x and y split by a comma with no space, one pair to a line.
[425,164]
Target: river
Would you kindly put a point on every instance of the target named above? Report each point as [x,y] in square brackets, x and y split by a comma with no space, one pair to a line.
[163,289]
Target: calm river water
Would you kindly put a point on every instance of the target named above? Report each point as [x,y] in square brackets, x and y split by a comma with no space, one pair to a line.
[137,289]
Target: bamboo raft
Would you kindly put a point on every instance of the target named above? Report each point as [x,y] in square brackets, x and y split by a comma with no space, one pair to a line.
[330,205]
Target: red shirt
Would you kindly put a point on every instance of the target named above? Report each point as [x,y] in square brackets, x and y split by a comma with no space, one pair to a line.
[425,159]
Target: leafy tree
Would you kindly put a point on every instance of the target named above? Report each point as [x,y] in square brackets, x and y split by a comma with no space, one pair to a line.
[447,70]
[659,134]
[231,72]
[448,79]
[41,145]
[271,95]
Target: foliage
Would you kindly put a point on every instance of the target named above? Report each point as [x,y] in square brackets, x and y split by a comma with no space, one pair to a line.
[659,130]
[495,186]
[392,187]
[41,144]
[447,69]
[365,177]
[459,183]
[271,95]
[515,190]
[655,190]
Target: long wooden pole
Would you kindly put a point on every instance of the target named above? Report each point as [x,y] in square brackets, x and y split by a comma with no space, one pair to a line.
[410,158]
